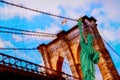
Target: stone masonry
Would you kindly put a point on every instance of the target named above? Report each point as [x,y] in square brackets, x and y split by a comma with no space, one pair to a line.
[66,45]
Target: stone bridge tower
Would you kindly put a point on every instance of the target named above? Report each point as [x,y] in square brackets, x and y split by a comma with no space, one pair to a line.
[66,45]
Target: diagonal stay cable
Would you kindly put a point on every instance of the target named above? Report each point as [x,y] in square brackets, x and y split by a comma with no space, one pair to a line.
[30,32]
[16,5]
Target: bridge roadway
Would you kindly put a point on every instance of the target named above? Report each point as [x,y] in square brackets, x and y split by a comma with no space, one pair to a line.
[9,73]
[12,68]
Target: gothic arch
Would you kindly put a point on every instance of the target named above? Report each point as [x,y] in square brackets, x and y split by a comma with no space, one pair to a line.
[67,45]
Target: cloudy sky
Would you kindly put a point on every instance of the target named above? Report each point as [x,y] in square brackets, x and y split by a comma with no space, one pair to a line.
[105,11]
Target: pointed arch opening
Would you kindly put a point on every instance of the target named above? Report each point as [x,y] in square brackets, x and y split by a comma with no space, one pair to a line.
[66,67]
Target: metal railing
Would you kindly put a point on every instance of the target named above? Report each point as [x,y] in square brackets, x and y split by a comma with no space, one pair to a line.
[32,67]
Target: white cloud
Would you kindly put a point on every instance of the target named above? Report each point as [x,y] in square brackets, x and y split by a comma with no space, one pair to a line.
[8,11]
[111,34]
[1,44]
[107,13]
[17,38]
[73,9]
[4,44]
[52,29]
[111,8]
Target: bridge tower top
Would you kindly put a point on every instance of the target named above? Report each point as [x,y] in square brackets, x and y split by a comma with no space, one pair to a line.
[66,45]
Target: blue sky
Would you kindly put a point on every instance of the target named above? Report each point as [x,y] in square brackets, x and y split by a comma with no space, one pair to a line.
[105,11]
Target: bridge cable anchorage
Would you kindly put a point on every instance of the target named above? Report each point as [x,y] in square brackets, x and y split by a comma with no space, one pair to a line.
[46,13]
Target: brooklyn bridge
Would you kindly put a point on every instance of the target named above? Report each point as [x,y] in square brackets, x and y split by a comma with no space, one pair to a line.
[64,46]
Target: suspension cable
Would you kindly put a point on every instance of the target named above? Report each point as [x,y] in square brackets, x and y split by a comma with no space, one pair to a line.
[112,48]
[12,4]
[46,13]
[18,49]
[29,34]
[33,33]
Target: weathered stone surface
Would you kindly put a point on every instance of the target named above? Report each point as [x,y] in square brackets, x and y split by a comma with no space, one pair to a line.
[67,45]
